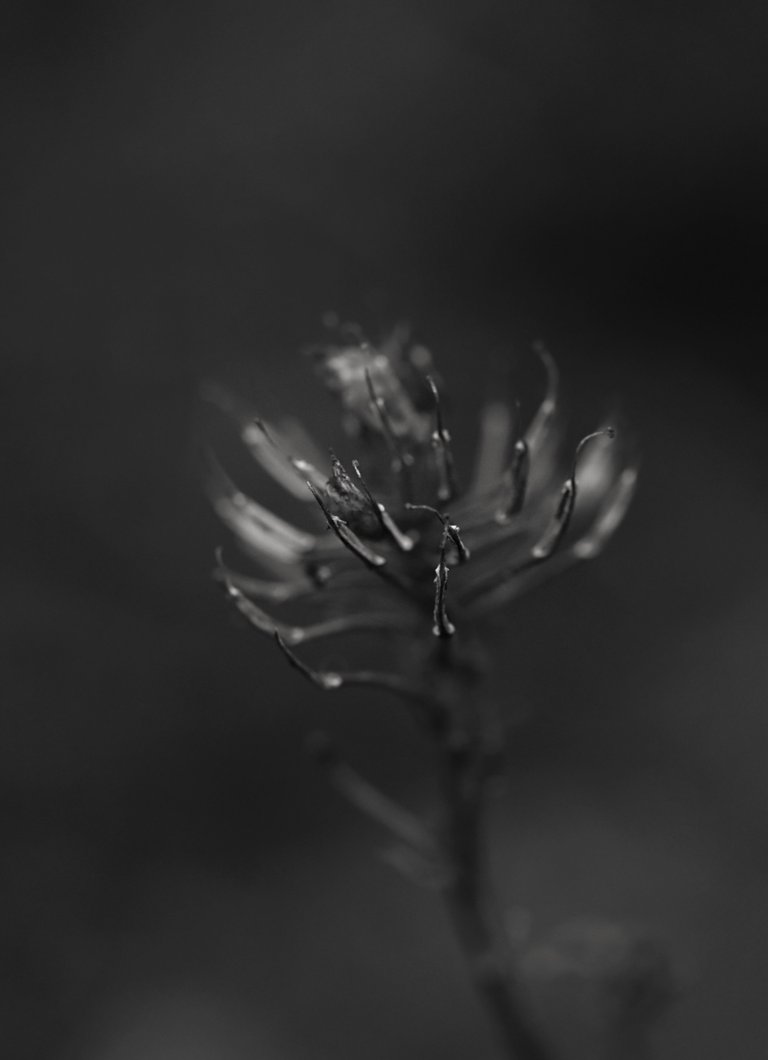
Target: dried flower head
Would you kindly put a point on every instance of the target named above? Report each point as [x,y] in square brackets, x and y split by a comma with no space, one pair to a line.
[393,540]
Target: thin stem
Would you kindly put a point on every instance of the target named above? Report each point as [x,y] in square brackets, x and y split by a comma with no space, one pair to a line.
[464,772]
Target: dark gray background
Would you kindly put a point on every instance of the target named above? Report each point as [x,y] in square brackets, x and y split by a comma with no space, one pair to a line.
[187,189]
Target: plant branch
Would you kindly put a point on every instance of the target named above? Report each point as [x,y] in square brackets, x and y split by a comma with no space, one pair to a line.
[464,771]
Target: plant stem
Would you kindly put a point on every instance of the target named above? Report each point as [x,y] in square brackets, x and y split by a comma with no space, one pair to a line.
[463,763]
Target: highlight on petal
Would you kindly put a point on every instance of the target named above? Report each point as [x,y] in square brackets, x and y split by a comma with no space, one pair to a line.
[330,680]
[537,431]
[555,532]
[279,592]
[260,620]
[500,583]
[496,424]
[262,442]
[609,517]
[267,454]
[515,481]
[260,531]
[600,464]
[292,437]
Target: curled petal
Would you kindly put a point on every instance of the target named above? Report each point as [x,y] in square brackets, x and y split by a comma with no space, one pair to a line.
[278,592]
[262,442]
[555,532]
[496,424]
[513,582]
[288,471]
[293,635]
[609,517]
[515,482]
[507,580]
[330,680]
[221,487]
[263,533]
[258,618]
[540,424]
[520,520]
[262,540]
[293,437]
[599,467]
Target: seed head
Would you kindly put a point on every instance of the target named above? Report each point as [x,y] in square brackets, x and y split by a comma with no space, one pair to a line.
[377,546]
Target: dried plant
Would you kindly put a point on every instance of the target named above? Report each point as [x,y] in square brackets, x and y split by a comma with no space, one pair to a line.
[396,547]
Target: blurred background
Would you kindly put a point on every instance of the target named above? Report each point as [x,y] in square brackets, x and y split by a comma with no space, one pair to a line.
[187,188]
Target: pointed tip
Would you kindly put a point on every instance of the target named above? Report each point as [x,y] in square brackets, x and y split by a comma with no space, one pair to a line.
[602,432]
[552,537]
[223,575]
[325,679]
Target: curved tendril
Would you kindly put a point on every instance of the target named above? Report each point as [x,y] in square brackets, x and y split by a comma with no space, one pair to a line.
[293,635]
[331,680]
[441,442]
[452,529]
[516,482]
[553,535]
[550,541]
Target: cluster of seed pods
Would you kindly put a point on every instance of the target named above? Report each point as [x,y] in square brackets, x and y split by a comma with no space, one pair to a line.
[393,541]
